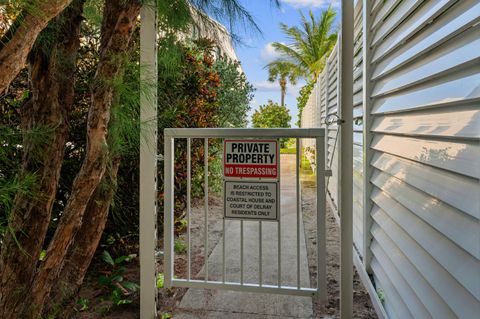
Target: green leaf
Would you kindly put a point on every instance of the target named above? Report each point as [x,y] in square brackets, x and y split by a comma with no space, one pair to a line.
[103,280]
[130,286]
[160,280]
[106,257]
[42,256]
[123,302]
[121,259]
[83,303]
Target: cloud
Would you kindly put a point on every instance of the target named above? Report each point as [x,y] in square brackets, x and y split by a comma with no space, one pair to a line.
[312,3]
[267,86]
[269,54]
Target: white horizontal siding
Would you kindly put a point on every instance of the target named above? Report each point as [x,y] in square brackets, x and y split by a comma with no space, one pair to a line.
[452,22]
[426,150]
[452,155]
[462,303]
[421,288]
[463,121]
[424,169]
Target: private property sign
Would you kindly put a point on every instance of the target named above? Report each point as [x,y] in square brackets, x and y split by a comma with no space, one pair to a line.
[251,158]
[251,187]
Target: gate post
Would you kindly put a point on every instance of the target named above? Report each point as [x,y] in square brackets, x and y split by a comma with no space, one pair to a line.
[148,160]
[346,162]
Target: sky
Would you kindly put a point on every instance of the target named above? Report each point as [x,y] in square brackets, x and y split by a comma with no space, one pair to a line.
[256,50]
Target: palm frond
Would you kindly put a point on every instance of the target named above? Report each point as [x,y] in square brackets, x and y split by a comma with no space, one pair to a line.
[310,44]
[232,12]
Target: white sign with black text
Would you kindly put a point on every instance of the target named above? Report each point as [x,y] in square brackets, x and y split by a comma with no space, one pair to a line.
[251,200]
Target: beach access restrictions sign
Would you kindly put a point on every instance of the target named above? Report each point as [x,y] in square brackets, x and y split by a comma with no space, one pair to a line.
[251,158]
[251,200]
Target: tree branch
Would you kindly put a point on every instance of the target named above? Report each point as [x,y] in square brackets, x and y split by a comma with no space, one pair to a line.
[13,54]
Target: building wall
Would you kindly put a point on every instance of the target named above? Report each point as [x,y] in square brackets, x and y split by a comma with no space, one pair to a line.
[417,155]
[426,157]
[206,27]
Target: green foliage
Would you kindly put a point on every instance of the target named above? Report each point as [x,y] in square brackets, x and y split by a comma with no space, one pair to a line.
[42,256]
[160,280]
[302,99]
[181,225]
[283,70]
[271,115]
[200,93]
[288,151]
[174,16]
[179,246]
[309,45]
[113,279]
[381,295]
[215,169]
[82,304]
[234,94]
[188,98]
[230,12]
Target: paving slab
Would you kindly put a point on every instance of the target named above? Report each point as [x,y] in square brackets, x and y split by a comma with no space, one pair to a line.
[207,303]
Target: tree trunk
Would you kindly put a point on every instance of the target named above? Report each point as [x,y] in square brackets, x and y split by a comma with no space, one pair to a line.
[13,54]
[283,90]
[48,110]
[86,241]
[118,21]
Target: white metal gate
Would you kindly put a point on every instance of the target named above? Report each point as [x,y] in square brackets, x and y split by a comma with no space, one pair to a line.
[189,134]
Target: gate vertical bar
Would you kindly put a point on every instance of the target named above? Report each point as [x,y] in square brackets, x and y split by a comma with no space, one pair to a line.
[260,274]
[205,158]
[367,135]
[168,209]
[299,208]
[346,162]
[321,210]
[189,191]
[224,264]
[148,161]
[241,252]
[279,245]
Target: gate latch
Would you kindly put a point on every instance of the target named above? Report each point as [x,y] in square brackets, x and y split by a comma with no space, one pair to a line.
[333,119]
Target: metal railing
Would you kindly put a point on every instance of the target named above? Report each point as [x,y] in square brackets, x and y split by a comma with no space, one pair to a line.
[280,288]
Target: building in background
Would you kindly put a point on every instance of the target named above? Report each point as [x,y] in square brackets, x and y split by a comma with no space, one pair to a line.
[207,27]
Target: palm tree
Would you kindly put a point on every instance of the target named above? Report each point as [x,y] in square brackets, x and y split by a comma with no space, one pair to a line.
[311,44]
[283,70]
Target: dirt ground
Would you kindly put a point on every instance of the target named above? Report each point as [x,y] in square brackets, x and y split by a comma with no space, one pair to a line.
[168,299]
[362,305]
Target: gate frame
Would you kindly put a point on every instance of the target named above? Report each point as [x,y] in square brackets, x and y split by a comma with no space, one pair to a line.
[222,133]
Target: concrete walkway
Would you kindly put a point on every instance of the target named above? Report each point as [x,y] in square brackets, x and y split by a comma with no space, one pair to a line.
[202,303]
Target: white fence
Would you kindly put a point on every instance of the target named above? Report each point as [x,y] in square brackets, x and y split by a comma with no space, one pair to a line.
[416,181]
